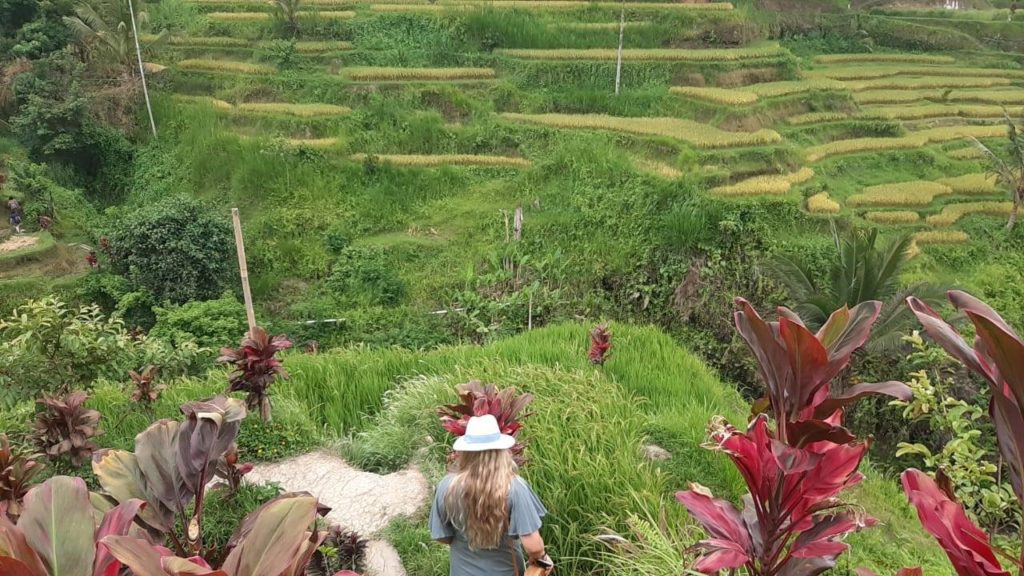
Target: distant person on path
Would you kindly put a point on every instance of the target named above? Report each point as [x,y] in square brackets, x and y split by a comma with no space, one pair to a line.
[15,217]
[483,507]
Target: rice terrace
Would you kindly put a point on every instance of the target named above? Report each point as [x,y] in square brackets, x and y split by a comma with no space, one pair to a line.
[482,287]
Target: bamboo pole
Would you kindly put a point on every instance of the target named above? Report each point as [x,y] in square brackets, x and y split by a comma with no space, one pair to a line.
[142,69]
[618,62]
[243,269]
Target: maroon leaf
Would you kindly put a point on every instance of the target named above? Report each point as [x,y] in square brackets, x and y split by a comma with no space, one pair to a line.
[729,545]
[856,392]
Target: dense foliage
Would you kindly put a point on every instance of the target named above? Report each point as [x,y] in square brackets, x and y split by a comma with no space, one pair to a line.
[178,249]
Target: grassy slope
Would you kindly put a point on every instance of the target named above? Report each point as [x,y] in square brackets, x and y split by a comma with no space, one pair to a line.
[682,395]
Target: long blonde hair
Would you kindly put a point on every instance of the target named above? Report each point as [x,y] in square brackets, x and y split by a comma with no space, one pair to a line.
[477,498]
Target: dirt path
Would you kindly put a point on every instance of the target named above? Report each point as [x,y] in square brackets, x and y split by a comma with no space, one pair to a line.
[17,242]
[361,501]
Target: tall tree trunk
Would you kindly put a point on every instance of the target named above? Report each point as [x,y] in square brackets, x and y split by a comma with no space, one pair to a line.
[1017,197]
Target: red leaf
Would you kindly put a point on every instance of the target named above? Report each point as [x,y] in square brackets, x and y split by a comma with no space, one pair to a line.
[719,517]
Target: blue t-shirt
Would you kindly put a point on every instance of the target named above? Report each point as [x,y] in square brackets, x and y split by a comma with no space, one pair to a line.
[525,513]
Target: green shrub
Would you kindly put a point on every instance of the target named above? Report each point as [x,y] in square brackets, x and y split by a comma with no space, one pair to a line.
[223,512]
[178,249]
[211,324]
[362,275]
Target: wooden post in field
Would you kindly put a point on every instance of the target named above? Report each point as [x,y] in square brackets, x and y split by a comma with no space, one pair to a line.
[142,69]
[243,269]
[618,64]
[517,224]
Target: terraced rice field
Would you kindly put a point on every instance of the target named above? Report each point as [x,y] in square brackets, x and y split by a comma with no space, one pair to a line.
[695,133]
[847,73]
[768,185]
[369,74]
[951,213]
[205,65]
[893,217]
[545,5]
[972,184]
[916,193]
[650,55]
[434,160]
[926,83]
[822,203]
[926,111]
[911,140]
[940,237]
[816,118]
[882,57]
[726,96]
[297,110]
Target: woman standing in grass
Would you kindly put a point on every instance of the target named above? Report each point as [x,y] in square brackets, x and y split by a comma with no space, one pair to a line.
[482,508]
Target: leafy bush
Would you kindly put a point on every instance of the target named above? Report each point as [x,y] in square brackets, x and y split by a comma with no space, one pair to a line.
[478,399]
[363,276]
[177,249]
[46,345]
[222,512]
[210,324]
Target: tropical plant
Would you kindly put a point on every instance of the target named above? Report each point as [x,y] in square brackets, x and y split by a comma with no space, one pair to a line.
[171,467]
[64,427]
[967,459]
[230,471]
[1009,173]
[17,470]
[998,357]
[103,28]
[792,521]
[341,549]
[600,344]
[59,532]
[256,367]
[286,14]
[478,399]
[863,270]
[146,391]
[279,539]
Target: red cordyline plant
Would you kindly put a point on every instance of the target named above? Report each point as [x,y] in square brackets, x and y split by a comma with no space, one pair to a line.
[600,344]
[997,356]
[256,367]
[146,391]
[796,463]
[65,425]
[17,470]
[479,399]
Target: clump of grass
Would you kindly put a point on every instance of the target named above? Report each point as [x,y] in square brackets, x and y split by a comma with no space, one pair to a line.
[433,160]
[788,87]
[199,41]
[951,213]
[816,118]
[893,217]
[153,67]
[726,96]
[941,237]
[650,54]
[288,109]
[597,25]
[365,74]
[329,14]
[207,65]
[318,46]
[767,185]
[821,203]
[876,57]
[977,183]
[914,193]
[700,135]
[967,153]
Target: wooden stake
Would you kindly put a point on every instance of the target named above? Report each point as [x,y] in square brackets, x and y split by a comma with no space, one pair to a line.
[142,69]
[517,225]
[243,269]
[618,63]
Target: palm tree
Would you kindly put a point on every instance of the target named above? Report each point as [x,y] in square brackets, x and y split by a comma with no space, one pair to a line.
[103,28]
[286,12]
[1009,174]
[863,270]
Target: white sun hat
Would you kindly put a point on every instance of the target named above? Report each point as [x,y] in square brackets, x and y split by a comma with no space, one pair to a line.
[482,433]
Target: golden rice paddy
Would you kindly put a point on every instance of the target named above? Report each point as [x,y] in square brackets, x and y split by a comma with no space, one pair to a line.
[538,5]
[926,83]
[911,140]
[893,217]
[977,183]
[649,54]
[313,142]
[915,193]
[941,237]
[938,111]
[366,74]
[206,65]
[766,185]
[597,25]
[204,100]
[872,72]
[297,110]
[433,160]
[821,203]
[697,134]
[658,168]
[816,118]
[726,96]
[875,57]
[995,96]
[953,212]
[319,46]
[968,153]
[238,16]
[153,67]
[775,89]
